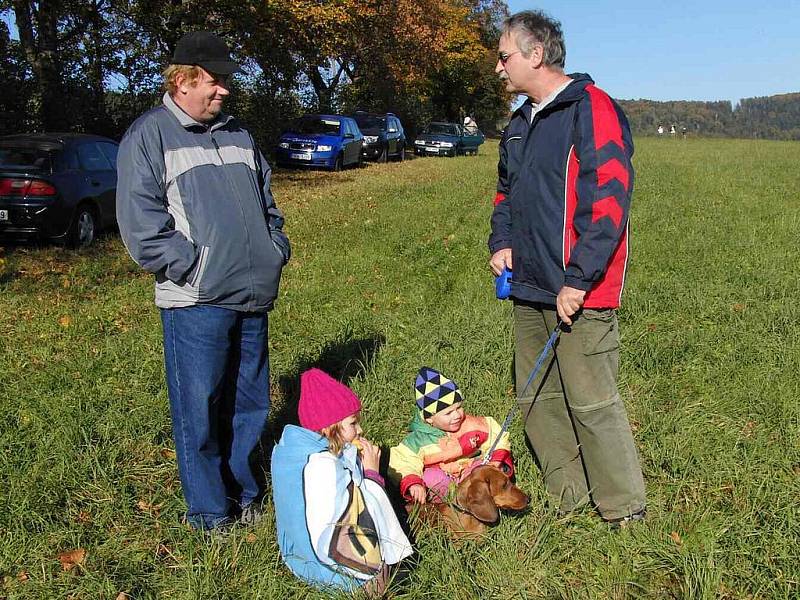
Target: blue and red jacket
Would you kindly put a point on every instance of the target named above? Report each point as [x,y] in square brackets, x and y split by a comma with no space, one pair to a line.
[563,196]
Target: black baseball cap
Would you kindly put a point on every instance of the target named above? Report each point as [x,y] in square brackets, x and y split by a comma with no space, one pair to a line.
[207,50]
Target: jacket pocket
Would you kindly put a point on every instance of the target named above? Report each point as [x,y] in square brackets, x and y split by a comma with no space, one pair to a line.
[202,262]
[284,253]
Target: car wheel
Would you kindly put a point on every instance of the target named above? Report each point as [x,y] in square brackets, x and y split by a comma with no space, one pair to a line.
[401,154]
[83,229]
[337,165]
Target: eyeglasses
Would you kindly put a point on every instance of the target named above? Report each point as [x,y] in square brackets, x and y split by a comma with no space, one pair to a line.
[504,56]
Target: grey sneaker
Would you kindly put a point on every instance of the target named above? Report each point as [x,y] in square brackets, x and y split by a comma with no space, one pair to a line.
[251,514]
[220,533]
[626,521]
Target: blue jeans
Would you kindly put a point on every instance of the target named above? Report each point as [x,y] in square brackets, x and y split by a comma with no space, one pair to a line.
[218,380]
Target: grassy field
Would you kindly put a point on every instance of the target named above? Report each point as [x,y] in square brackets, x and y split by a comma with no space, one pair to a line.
[389,273]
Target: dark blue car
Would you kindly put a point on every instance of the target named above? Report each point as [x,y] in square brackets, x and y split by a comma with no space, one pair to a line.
[57,186]
[383,136]
[323,141]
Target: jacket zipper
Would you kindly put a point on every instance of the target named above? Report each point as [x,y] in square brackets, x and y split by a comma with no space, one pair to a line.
[246,230]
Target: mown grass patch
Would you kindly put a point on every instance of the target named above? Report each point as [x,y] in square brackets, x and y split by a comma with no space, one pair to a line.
[389,273]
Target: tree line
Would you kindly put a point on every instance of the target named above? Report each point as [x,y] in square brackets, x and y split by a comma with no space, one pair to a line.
[94,65]
[770,117]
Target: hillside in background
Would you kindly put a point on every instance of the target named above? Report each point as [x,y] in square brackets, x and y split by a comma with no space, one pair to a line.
[770,117]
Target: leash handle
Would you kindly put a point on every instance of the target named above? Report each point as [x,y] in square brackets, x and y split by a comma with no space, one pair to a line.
[539,362]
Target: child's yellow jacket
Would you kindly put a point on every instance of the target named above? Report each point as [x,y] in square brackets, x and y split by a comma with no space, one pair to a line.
[425,446]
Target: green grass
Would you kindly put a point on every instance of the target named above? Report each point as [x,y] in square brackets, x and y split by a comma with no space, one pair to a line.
[389,273]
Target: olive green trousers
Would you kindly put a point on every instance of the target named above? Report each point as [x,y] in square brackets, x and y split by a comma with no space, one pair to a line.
[574,417]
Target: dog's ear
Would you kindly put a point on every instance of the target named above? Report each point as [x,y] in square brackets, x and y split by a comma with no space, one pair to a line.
[476,498]
[496,480]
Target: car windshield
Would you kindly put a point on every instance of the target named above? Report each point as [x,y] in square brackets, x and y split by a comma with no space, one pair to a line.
[317,125]
[445,128]
[20,157]
[368,122]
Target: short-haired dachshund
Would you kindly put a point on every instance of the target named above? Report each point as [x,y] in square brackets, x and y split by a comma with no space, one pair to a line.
[476,504]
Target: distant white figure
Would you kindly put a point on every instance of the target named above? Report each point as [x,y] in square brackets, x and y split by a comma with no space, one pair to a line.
[660,130]
[470,126]
[672,129]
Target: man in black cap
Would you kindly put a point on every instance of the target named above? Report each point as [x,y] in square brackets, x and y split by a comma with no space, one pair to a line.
[195,209]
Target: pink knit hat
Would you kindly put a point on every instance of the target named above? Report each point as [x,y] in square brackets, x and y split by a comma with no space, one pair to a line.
[324,401]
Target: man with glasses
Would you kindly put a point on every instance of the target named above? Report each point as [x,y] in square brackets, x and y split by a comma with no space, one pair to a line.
[560,224]
[195,209]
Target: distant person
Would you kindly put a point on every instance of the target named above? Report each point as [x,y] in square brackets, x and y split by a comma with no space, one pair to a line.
[195,209]
[683,131]
[566,240]
[672,130]
[660,130]
[470,126]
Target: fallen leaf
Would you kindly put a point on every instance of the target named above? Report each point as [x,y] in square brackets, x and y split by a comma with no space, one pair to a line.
[84,517]
[71,558]
[122,596]
[251,537]
[145,506]
[167,453]
[748,428]
[739,307]
[651,327]
[676,537]
[23,576]
[65,321]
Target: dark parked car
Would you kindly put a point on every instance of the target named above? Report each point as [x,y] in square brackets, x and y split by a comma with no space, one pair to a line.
[328,141]
[447,139]
[57,186]
[383,136]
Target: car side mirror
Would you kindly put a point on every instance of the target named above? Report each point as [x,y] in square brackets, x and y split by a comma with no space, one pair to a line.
[348,136]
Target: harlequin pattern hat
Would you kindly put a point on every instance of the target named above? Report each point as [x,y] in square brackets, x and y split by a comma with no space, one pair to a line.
[435,392]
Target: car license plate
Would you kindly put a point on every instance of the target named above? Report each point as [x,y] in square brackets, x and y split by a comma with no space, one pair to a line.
[431,150]
[3,215]
[301,155]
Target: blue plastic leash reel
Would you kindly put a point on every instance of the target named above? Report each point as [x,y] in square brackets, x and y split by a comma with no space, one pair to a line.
[502,284]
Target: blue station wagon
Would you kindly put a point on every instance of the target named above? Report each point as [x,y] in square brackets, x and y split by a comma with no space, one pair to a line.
[326,141]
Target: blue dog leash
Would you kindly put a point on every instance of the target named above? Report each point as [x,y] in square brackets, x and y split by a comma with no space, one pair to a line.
[539,362]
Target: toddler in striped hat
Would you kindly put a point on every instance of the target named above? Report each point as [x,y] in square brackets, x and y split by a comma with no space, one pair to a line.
[444,443]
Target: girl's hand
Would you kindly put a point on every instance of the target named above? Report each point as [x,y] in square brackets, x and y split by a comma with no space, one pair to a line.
[370,454]
[418,493]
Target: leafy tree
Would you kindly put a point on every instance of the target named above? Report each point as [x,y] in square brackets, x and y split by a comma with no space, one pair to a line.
[15,76]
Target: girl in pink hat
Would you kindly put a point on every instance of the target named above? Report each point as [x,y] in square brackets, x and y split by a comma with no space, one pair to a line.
[336,527]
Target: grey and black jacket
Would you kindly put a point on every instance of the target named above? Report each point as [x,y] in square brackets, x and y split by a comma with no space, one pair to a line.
[194,208]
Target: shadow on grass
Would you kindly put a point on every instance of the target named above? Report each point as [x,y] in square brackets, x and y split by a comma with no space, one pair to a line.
[18,254]
[345,358]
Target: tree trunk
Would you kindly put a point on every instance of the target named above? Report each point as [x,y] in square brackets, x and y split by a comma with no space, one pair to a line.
[95,72]
[41,50]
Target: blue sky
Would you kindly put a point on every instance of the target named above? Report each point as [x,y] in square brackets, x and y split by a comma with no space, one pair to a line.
[701,50]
